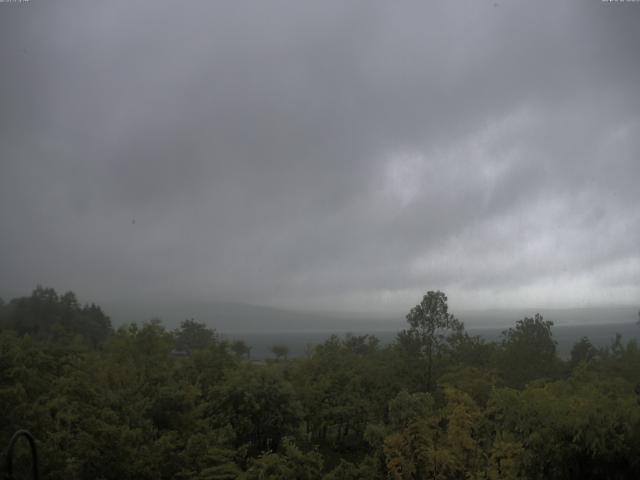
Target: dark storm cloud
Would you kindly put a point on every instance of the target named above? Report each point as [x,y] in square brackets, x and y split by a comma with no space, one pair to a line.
[343,155]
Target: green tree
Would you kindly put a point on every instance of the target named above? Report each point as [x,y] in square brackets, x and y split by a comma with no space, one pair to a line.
[280,352]
[259,404]
[361,344]
[289,463]
[241,349]
[48,316]
[346,470]
[192,335]
[431,331]
[582,351]
[529,351]
[435,444]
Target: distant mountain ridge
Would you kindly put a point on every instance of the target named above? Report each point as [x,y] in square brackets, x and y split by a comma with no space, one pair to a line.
[236,317]
[231,317]
[559,316]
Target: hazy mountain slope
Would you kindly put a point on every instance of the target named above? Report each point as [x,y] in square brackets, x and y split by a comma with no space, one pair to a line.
[239,317]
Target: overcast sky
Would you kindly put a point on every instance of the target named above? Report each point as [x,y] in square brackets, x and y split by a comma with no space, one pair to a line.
[322,155]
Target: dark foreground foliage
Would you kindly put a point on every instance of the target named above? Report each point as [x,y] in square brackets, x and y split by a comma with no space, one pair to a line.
[142,402]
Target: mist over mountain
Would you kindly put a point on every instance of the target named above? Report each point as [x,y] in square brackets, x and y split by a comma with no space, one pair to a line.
[229,317]
[240,317]
[559,316]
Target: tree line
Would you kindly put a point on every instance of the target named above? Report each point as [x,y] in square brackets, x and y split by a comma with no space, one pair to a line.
[145,402]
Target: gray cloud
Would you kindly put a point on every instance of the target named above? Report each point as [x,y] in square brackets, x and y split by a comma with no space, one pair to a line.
[336,155]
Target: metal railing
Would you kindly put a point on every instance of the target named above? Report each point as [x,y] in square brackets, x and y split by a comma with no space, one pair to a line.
[9,454]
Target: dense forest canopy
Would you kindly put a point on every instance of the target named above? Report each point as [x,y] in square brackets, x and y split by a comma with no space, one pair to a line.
[143,402]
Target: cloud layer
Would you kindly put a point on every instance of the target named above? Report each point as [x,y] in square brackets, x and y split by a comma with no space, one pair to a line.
[332,155]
